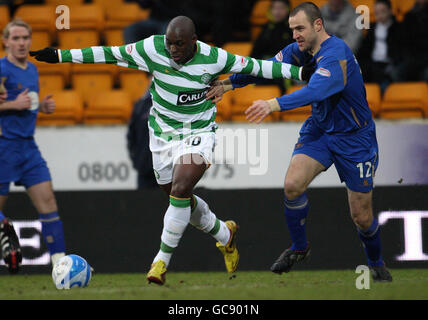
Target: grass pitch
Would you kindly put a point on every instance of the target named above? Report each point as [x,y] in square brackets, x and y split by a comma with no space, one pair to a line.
[340,284]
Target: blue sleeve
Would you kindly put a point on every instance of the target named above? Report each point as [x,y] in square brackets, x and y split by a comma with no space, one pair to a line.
[285,55]
[326,81]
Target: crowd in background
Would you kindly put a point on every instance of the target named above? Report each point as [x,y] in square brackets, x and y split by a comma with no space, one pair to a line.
[389,51]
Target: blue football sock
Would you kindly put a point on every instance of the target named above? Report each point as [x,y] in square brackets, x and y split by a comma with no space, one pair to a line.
[295,214]
[1,216]
[371,243]
[52,232]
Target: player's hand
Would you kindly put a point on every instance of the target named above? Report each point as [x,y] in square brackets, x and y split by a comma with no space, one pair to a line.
[259,110]
[48,104]
[22,101]
[49,55]
[308,70]
[3,96]
[3,91]
[215,92]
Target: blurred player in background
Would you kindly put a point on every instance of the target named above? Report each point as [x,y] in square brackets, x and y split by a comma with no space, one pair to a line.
[182,122]
[20,158]
[340,131]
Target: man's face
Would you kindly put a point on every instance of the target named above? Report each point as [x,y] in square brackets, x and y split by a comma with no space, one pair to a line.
[382,12]
[303,31]
[279,11]
[18,43]
[180,47]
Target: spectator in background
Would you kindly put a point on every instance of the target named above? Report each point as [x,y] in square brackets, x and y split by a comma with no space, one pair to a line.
[275,35]
[161,12]
[415,44]
[138,142]
[339,20]
[380,51]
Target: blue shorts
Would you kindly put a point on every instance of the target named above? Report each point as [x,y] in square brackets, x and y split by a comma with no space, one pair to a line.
[355,155]
[22,163]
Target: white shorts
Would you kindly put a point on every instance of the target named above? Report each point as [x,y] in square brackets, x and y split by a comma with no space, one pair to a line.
[167,153]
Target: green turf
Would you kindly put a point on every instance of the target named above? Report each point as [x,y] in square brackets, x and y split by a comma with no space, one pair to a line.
[407,284]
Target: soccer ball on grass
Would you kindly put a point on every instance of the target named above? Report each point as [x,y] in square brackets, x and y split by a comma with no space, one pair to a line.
[71,271]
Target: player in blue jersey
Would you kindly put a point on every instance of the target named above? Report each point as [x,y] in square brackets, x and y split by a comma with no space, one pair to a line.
[340,131]
[20,158]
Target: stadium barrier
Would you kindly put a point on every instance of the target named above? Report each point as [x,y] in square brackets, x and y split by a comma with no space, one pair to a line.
[119,231]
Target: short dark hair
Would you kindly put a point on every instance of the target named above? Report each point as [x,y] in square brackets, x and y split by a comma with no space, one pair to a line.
[385,2]
[310,9]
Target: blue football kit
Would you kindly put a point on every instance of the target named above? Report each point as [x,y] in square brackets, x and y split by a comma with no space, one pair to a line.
[20,159]
[340,130]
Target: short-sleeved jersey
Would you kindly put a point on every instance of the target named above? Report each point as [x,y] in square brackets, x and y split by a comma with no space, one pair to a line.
[335,91]
[13,123]
[178,91]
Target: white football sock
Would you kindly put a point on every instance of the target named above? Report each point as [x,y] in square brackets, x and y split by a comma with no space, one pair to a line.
[175,221]
[204,219]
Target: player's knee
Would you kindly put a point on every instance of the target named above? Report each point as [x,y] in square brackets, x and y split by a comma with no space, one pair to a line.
[181,189]
[293,189]
[362,220]
[361,215]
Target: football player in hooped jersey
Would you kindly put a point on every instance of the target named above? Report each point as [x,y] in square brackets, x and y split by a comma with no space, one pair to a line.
[340,131]
[181,122]
[20,158]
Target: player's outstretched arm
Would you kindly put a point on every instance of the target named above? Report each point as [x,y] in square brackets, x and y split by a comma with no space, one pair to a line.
[124,56]
[218,88]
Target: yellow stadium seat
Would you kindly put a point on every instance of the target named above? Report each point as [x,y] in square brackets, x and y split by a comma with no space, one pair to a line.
[88,84]
[114,37]
[86,17]
[96,68]
[108,107]
[374,97]
[244,97]
[4,16]
[255,32]
[259,14]
[40,40]
[68,110]
[405,100]
[70,39]
[39,17]
[62,69]
[2,52]
[126,14]
[50,83]
[239,48]
[65,2]
[401,7]
[135,83]
[298,114]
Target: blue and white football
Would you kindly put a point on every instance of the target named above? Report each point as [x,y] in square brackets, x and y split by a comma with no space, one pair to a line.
[71,271]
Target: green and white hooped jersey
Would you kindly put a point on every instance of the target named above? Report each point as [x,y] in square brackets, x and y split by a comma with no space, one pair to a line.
[178,91]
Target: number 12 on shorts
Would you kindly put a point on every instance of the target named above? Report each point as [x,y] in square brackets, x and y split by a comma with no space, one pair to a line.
[360,166]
